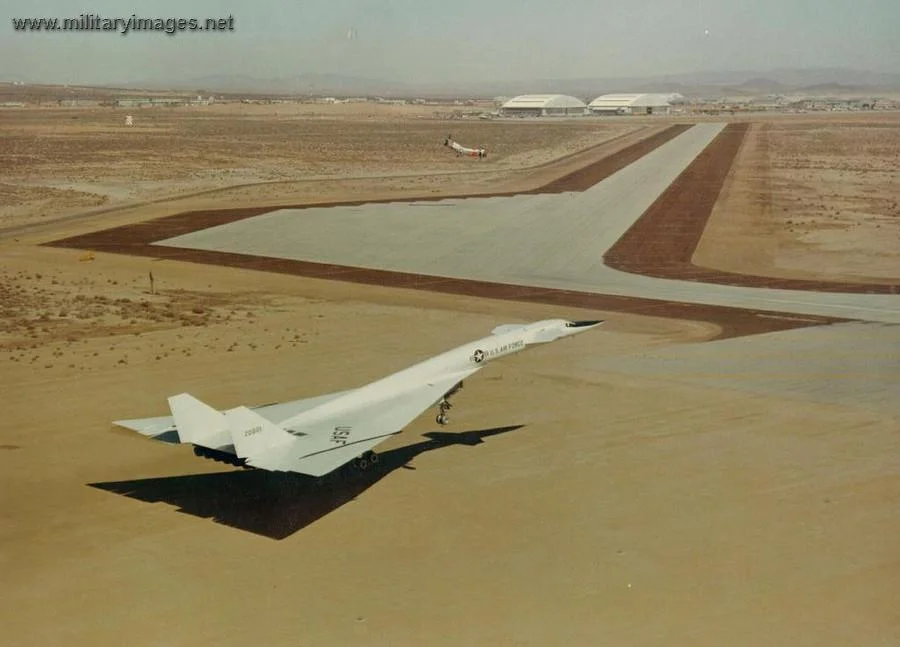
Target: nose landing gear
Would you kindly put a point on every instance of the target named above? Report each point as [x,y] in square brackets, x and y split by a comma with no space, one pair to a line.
[444,405]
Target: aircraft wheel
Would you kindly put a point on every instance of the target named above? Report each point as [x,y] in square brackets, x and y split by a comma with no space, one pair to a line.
[373,458]
[363,463]
[442,419]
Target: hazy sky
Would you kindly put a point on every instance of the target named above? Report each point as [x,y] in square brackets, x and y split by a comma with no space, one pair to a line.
[456,40]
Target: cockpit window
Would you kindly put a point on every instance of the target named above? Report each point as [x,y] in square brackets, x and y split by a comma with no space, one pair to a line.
[582,324]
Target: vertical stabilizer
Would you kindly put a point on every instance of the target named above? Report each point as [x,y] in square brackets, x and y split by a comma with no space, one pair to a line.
[252,434]
[198,423]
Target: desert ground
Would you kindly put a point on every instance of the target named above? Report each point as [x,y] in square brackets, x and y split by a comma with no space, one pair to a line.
[812,199]
[653,482]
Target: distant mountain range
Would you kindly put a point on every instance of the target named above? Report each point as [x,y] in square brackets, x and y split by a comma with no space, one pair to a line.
[811,82]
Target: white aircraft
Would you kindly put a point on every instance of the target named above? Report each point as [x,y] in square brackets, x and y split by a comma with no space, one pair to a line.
[462,150]
[318,435]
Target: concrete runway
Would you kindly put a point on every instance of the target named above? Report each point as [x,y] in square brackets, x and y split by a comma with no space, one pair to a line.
[853,364]
[553,241]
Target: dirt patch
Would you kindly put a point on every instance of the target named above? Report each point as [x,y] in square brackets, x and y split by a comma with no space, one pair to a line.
[811,199]
[68,318]
[53,308]
[662,242]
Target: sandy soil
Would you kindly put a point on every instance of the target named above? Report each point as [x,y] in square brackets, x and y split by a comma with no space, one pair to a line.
[574,504]
[626,509]
[666,237]
[811,199]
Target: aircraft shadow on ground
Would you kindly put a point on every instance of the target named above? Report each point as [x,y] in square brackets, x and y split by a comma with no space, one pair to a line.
[278,504]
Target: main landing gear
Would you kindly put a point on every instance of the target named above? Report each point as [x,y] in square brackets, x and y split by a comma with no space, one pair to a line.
[365,461]
[359,468]
[444,405]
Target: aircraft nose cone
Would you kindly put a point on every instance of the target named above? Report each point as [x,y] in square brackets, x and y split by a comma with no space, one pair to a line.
[585,323]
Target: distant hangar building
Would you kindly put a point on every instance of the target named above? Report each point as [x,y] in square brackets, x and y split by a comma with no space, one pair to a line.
[634,104]
[543,105]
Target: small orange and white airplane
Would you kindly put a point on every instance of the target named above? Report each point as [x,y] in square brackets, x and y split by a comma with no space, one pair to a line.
[462,150]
